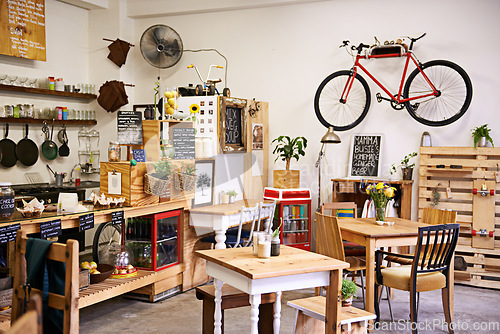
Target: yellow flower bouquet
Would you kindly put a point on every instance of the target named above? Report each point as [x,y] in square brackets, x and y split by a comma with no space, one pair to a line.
[380,193]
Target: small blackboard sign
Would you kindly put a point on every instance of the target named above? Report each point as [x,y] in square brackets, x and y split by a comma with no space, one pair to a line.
[129,127]
[183,142]
[86,222]
[365,155]
[8,233]
[233,126]
[50,229]
[139,155]
[117,218]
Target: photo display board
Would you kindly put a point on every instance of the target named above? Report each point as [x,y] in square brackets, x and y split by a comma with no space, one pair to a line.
[22,29]
[364,159]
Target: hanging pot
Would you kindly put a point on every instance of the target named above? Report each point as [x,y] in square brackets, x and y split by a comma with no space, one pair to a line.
[64,148]
[8,149]
[26,150]
[407,173]
[49,148]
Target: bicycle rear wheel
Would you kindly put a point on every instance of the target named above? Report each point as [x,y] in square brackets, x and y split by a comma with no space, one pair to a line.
[454,86]
[106,234]
[331,110]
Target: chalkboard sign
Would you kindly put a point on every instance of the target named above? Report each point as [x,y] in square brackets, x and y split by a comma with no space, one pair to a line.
[365,155]
[8,233]
[117,218]
[50,229]
[232,116]
[129,127]
[183,142]
[139,155]
[86,222]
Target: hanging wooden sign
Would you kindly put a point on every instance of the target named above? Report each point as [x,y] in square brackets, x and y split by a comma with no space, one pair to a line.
[233,125]
[22,29]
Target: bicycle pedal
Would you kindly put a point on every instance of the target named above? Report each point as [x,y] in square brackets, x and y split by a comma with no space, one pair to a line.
[379,97]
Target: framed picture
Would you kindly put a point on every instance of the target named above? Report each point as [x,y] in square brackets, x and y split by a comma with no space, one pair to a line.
[204,189]
[233,125]
[365,155]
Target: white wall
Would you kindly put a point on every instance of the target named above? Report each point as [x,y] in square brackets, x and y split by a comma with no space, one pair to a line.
[280,55]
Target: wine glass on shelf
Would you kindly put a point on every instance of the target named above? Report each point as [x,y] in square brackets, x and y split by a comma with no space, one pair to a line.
[3,77]
[31,82]
[11,79]
[21,81]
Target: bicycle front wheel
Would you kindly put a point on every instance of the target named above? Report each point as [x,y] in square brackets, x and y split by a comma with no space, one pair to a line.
[455,93]
[106,234]
[334,109]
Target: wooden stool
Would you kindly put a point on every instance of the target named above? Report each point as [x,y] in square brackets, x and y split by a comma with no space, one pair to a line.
[232,298]
[310,317]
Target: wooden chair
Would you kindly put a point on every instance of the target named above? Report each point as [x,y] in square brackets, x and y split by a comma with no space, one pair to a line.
[329,243]
[428,271]
[31,321]
[67,253]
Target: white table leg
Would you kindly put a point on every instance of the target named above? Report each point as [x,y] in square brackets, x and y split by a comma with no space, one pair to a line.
[255,302]
[220,238]
[277,312]
[218,306]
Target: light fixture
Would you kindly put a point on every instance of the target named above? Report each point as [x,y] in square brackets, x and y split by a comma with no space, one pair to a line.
[329,138]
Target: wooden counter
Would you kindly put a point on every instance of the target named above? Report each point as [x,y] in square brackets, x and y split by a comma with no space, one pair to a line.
[225,209]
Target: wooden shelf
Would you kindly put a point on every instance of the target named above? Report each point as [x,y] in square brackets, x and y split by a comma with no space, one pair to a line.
[47,92]
[49,121]
[451,170]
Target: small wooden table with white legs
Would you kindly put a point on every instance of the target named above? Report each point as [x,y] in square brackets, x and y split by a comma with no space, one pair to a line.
[293,269]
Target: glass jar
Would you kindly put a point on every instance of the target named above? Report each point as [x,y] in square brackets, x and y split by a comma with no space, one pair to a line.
[167,149]
[114,151]
[29,110]
[6,200]
[9,110]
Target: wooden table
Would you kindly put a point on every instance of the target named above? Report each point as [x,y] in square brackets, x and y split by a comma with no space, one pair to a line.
[218,218]
[292,269]
[366,232]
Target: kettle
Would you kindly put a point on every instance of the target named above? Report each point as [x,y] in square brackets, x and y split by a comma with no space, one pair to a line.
[58,176]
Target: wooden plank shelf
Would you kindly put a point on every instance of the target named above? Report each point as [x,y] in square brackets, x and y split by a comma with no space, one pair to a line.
[483,268]
[48,92]
[49,121]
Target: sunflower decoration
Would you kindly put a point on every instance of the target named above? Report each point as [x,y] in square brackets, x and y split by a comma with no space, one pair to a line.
[194,108]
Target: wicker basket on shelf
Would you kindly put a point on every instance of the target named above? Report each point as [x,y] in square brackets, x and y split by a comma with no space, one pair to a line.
[156,186]
[184,182]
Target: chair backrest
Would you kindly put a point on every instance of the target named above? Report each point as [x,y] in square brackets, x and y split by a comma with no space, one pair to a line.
[436,216]
[247,215]
[328,237]
[341,209]
[266,213]
[31,321]
[67,253]
[436,245]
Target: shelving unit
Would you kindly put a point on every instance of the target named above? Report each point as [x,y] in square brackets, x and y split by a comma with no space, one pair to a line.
[47,92]
[40,121]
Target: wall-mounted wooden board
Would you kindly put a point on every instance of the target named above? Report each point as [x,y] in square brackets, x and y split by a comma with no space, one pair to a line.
[22,29]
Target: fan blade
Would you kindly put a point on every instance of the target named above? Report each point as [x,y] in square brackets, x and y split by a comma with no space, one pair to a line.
[159,33]
[161,46]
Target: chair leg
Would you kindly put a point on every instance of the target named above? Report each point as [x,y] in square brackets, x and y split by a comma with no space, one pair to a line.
[377,302]
[413,310]
[363,289]
[445,294]
[389,302]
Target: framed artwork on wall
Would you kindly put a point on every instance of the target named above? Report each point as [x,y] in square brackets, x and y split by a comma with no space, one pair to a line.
[204,189]
[233,125]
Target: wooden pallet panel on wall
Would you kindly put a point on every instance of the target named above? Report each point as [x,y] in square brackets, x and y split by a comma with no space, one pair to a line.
[454,187]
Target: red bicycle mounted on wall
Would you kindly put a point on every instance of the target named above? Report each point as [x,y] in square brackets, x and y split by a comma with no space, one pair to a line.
[436,93]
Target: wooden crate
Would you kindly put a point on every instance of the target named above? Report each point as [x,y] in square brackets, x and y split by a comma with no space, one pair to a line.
[286,179]
[477,164]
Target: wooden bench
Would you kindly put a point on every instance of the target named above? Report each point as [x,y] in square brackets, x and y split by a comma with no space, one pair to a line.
[232,298]
[310,317]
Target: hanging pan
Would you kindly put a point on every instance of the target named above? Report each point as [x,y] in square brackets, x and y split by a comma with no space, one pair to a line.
[49,148]
[64,148]
[8,148]
[26,150]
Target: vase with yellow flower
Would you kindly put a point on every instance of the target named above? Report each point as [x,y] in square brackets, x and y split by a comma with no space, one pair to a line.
[380,193]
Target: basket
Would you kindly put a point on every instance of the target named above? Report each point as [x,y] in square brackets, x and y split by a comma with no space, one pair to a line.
[156,186]
[185,182]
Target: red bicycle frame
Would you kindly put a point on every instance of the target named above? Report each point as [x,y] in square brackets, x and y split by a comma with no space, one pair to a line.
[398,98]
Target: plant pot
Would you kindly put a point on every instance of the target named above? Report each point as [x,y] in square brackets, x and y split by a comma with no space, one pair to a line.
[482,142]
[184,182]
[286,179]
[347,302]
[232,199]
[156,186]
[407,173]
[224,198]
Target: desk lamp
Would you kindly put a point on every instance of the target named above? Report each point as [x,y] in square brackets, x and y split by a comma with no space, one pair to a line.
[329,138]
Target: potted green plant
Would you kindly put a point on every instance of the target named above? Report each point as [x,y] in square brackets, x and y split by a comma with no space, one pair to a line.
[406,166]
[185,177]
[349,289]
[288,148]
[158,182]
[232,195]
[481,135]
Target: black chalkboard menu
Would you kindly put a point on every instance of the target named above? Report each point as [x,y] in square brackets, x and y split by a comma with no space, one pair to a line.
[183,142]
[365,155]
[86,222]
[8,233]
[117,217]
[50,229]
[233,126]
[129,127]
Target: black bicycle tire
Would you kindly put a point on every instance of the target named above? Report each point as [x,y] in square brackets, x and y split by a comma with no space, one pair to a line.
[317,96]
[463,108]
[97,235]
